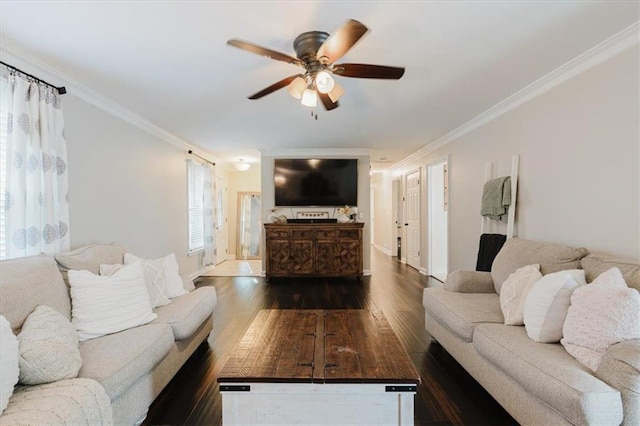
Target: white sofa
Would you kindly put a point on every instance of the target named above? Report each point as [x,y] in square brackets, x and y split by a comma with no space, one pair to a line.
[130,367]
[537,383]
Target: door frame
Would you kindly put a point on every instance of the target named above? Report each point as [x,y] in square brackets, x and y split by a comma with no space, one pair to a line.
[442,160]
[405,210]
[396,216]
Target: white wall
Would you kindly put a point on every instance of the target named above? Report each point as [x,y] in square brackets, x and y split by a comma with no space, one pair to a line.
[579,166]
[364,207]
[248,181]
[437,220]
[125,185]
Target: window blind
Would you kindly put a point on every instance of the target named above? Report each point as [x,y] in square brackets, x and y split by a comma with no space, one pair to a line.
[195,179]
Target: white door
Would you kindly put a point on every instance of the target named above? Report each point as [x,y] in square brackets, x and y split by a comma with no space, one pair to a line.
[412,219]
[437,226]
[222,235]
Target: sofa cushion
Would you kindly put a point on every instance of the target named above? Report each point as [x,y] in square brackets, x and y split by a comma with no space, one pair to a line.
[185,314]
[518,252]
[28,282]
[118,360]
[620,368]
[460,312]
[66,402]
[596,264]
[89,258]
[549,374]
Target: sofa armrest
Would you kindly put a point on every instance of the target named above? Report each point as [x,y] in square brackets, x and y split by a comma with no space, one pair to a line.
[469,282]
[187,283]
[620,368]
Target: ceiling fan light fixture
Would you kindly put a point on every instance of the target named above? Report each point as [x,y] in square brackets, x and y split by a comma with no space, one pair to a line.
[297,87]
[335,93]
[310,97]
[324,82]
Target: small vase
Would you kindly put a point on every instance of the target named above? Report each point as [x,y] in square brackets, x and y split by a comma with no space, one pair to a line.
[343,218]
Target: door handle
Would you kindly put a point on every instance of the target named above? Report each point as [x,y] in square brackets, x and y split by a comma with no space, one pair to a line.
[406,224]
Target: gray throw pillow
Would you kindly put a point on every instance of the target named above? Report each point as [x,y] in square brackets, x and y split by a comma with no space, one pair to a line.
[48,346]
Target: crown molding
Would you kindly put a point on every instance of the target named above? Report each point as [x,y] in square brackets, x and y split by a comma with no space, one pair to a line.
[21,59]
[598,54]
[310,152]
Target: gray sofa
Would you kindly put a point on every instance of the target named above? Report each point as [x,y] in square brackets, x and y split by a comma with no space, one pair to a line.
[537,383]
[131,367]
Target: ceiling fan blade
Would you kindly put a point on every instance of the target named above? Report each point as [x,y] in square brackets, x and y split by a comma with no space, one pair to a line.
[276,86]
[368,71]
[327,102]
[263,51]
[341,40]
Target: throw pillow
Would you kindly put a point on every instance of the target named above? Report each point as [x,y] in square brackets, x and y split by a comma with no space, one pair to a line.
[601,314]
[175,286]
[154,278]
[104,305]
[108,270]
[546,305]
[8,362]
[48,345]
[514,292]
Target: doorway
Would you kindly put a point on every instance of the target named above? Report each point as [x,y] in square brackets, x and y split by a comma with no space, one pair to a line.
[438,207]
[249,226]
[412,220]
[396,230]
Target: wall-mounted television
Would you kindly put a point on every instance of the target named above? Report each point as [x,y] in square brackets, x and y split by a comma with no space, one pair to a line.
[315,182]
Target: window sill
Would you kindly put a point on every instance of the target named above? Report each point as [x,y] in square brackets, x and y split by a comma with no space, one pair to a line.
[195,252]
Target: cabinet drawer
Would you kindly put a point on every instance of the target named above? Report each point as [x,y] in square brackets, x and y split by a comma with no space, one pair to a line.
[302,234]
[326,235]
[352,234]
[280,233]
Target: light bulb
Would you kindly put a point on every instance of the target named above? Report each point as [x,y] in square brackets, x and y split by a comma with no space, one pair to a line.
[335,94]
[296,87]
[324,82]
[309,97]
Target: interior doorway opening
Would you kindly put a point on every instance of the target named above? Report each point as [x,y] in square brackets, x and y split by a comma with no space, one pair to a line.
[396,212]
[438,224]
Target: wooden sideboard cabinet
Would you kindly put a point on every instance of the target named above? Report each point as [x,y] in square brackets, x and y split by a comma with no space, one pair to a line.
[314,249]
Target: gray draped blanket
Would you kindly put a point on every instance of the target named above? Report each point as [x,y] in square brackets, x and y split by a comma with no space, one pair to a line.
[496,198]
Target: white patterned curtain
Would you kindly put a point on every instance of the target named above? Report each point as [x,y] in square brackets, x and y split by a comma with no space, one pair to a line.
[210,252]
[36,204]
[245,226]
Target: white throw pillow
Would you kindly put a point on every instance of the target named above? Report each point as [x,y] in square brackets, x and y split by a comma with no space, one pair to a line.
[104,305]
[48,346]
[108,270]
[172,276]
[514,292]
[546,305]
[9,370]
[601,314]
[154,278]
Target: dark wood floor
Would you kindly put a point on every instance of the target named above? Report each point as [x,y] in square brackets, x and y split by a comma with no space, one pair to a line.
[447,394]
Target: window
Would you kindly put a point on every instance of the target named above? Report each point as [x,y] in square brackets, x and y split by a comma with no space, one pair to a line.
[195,180]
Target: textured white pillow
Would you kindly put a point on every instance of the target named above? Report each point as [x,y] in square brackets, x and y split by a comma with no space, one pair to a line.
[546,305]
[104,305]
[154,278]
[514,292]
[8,362]
[601,314]
[48,346]
[172,276]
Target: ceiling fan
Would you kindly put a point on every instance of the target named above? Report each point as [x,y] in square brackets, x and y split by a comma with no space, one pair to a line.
[317,52]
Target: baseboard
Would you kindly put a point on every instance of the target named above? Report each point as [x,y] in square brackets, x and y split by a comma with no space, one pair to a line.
[382,249]
[202,271]
[366,272]
[231,257]
[423,271]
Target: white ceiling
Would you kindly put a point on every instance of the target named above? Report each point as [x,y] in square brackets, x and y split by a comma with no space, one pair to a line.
[168,62]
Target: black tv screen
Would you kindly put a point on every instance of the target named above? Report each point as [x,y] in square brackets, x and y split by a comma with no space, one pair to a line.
[315,182]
